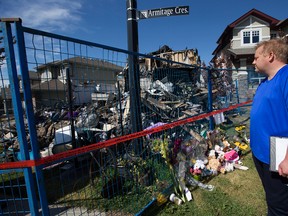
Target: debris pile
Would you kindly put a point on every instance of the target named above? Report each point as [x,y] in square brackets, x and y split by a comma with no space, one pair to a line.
[170,96]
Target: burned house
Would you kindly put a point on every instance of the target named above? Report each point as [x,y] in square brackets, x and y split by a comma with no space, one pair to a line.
[152,69]
[187,56]
[172,89]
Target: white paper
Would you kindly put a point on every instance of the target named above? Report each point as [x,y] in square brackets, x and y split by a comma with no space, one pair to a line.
[219,118]
[278,149]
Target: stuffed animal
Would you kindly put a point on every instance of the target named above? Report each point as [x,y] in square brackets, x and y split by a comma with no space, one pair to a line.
[197,167]
[199,164]
[212,154]
[214,164]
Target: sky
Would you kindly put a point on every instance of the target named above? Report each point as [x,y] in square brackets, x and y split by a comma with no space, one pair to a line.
[105,21]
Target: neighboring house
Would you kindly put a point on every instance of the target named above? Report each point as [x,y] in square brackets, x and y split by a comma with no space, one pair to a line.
[239,38]
[85,75]
[236,44]
[5,92]
[6,101]
[33,77]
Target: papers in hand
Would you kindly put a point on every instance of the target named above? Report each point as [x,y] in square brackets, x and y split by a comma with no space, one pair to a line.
[278,149]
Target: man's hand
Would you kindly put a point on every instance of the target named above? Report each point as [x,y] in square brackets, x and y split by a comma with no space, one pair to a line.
[283,166]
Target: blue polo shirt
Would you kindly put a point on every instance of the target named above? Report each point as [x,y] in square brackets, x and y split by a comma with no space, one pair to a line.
[269,114]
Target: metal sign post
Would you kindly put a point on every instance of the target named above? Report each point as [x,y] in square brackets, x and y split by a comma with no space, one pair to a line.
[133,71]
[133,66]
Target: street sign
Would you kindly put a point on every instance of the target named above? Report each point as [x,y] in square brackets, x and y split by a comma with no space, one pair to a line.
[163,12]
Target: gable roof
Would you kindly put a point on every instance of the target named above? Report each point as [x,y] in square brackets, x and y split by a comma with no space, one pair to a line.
[271,20]
[93,62]
[32,76]
[227,33]
[51,85]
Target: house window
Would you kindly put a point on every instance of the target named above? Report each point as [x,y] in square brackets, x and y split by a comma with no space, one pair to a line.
[246,37]
[55,71]
[273,35]
[251,37]
[255,36]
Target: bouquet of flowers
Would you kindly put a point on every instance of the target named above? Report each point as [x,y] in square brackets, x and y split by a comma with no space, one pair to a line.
[177,173]
[180,155]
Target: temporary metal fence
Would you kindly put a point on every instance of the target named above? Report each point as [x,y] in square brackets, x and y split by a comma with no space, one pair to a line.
[66,139]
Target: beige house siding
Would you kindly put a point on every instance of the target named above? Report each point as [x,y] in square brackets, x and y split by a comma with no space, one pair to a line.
[257,22]
[251,23]
[266,33]
[236,40]
[83,74]
[245,23]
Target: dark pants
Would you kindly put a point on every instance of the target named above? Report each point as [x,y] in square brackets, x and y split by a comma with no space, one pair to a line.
[276,189]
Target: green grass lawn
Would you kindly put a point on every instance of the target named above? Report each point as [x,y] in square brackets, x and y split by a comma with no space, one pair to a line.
[235,193]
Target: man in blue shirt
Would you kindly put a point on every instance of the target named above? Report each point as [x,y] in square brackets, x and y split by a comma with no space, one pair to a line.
[269,117]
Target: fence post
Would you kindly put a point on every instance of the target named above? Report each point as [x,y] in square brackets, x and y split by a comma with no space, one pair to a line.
[70,103]
[18,111]
[210,99]
[30,115]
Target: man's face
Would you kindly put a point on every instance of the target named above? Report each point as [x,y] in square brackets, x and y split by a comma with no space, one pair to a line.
[260,60]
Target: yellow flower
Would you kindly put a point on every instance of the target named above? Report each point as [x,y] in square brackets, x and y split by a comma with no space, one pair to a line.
[240,128]
[242,146]
[161,199]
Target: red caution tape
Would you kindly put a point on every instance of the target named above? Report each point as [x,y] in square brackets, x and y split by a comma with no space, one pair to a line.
[110,142]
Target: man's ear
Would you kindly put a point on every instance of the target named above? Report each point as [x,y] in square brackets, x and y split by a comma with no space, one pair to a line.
[271,56]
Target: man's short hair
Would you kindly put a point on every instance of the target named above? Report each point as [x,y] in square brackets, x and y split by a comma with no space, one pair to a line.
[278,46]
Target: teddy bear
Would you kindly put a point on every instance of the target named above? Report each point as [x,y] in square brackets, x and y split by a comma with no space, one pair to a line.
[214,164]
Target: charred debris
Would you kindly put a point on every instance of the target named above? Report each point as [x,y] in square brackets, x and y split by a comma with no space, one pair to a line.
[169,92]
